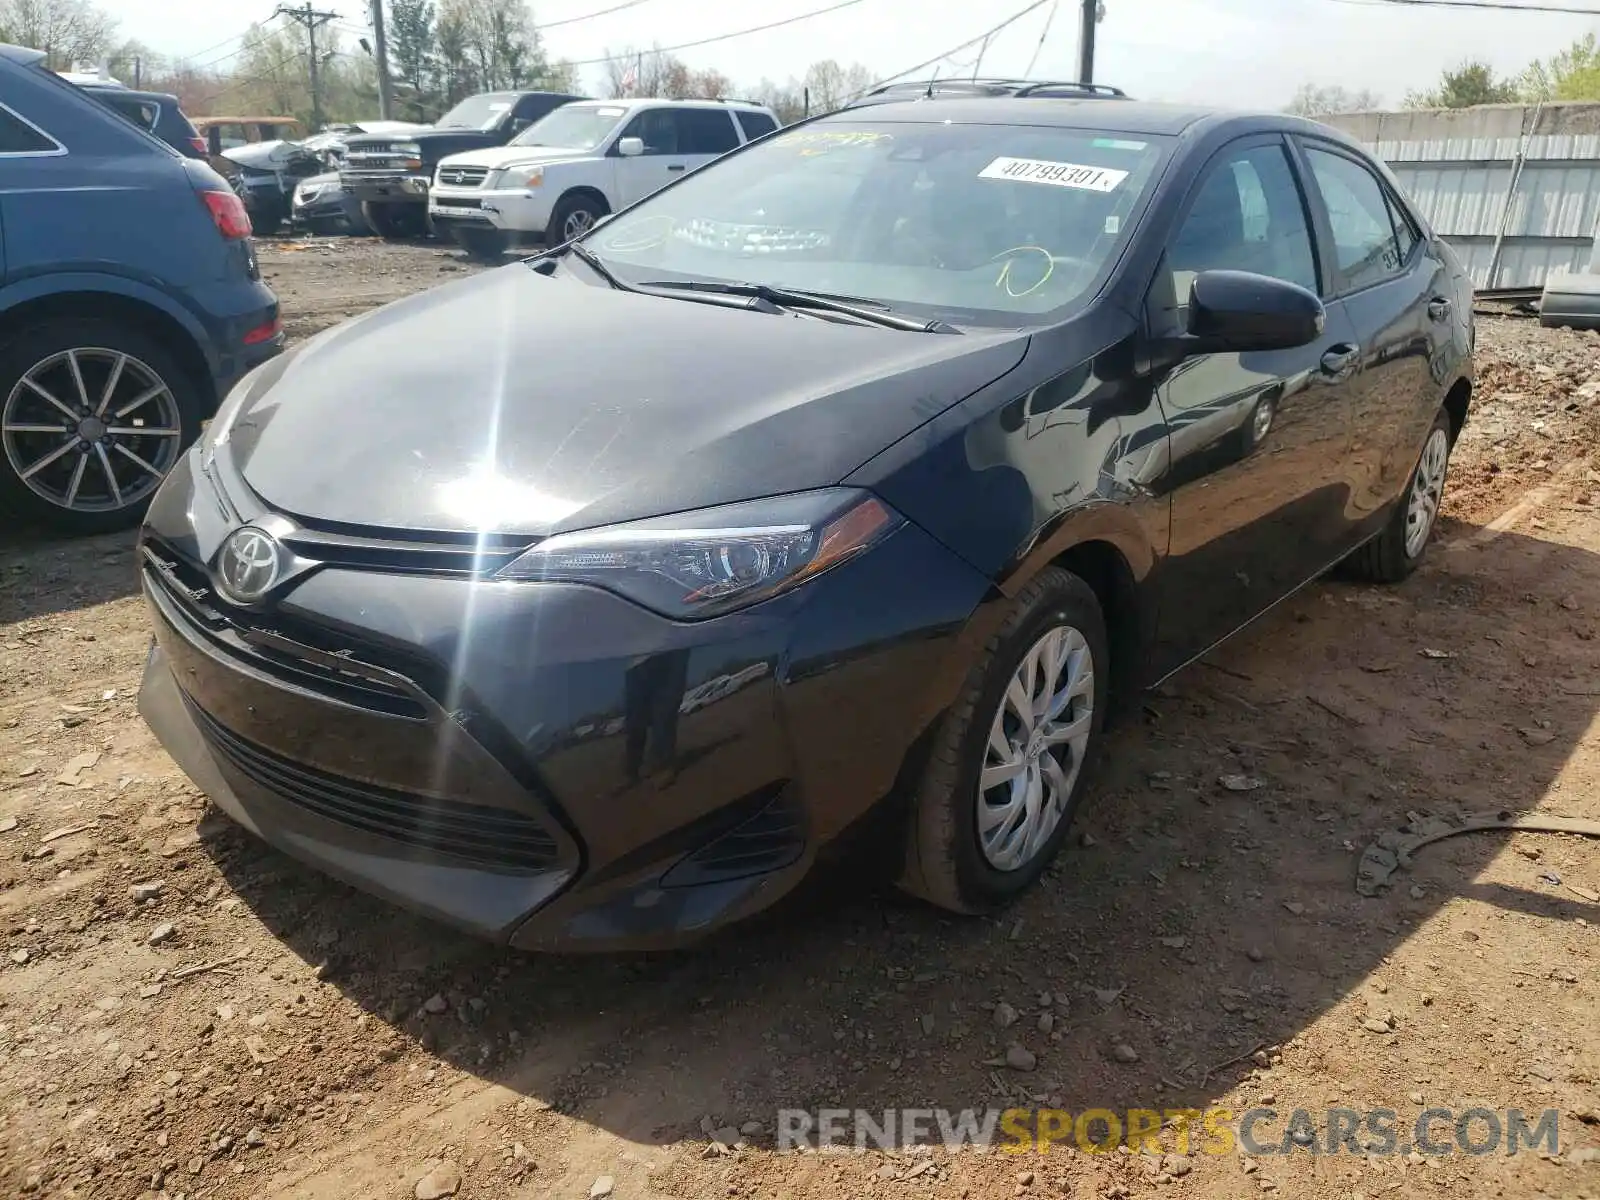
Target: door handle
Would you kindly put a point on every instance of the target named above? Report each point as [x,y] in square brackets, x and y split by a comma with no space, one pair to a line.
[1439,309]
[674,166]
[1340,362]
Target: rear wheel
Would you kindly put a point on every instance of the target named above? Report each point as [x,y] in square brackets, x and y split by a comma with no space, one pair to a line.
[1398,549]
[394,221]
[1009,764]
[92,417]
[573,217]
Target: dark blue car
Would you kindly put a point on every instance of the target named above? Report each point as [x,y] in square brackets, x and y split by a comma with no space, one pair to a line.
[130,303]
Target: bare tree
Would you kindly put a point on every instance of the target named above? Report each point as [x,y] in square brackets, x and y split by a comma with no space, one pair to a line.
[68,31]
[1318,100]
[832,84]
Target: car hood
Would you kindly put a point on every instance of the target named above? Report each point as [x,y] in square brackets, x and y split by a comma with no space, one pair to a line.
[511,402]
[265,156]
[496,157]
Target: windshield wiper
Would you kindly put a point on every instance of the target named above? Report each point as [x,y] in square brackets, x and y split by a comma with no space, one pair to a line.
[852,306]
[592,261]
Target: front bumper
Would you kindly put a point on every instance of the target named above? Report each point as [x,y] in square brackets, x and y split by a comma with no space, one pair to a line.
[541,764]
[386,187]
[511,210]
[335,211]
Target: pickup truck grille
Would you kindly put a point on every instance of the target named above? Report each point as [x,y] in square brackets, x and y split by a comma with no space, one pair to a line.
[462,176]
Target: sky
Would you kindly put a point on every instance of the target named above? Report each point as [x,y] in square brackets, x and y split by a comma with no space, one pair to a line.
[1236,53]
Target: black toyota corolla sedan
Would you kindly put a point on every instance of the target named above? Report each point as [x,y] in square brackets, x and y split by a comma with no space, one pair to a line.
[863,472]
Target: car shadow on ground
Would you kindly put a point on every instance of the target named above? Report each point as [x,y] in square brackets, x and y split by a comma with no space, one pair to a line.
[1201,916]
[43,574]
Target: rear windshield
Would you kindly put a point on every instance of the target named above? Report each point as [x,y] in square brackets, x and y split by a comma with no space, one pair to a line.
[986,224]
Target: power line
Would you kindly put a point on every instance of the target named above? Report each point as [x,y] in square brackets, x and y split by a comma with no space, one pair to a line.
[938,58]
[1488,5]
[724,37]
[604,12]
[236,84]
[1049,19]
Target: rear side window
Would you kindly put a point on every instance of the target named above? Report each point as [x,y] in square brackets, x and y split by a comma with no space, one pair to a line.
[705,131]
[141,112]
[18,137]
[1365,245]
[755,124]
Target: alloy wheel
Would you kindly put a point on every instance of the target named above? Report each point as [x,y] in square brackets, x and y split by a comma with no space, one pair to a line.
[1427,489]
[579,221]
[1036,748]
[91,429]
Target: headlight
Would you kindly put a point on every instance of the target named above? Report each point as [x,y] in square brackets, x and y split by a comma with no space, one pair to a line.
[529,177]
[407,148]
[305,195]
[714,560]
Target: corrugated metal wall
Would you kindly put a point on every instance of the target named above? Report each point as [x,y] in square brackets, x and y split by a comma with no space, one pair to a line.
[1458,165]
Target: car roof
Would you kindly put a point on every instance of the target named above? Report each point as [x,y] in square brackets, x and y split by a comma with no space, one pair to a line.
[22,55]
[642,102]
[158,97]
[1111,116]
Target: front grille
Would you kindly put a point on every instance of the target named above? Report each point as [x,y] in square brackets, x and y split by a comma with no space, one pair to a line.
[463,176]
[473,833]
[770,840]
[352,674]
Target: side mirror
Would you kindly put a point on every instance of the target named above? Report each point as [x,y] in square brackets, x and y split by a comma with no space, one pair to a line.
[518,124]
[630,147]
[1241,311]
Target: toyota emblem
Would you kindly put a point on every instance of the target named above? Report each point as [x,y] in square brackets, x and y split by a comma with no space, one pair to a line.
[248,565]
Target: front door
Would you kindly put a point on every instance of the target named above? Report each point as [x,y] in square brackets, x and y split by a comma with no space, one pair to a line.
[1257,441]
[665,154]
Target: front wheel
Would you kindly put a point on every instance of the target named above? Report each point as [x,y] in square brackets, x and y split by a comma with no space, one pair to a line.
[1007,770]
[395,221]
[483,245]
[573,217]
[1398,549]
[92,417]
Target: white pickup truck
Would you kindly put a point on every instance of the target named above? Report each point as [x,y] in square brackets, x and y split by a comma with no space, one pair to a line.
[584,160]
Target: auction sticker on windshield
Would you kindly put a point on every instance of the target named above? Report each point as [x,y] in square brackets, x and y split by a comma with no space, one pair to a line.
[1057,174]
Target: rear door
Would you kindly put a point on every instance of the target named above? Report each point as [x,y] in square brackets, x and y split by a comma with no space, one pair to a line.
[1257,441]
[1397,295]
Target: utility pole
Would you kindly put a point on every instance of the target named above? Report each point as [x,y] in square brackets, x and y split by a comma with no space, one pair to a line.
[138,71]
[1091,16]
[311,19]
[380,46]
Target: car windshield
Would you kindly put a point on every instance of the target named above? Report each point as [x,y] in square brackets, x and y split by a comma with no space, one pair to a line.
[984,224]
[573,127]
[478,112]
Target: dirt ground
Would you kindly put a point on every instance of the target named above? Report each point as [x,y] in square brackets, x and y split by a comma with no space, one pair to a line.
[185,1012]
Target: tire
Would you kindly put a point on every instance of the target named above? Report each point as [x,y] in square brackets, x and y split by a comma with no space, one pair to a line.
[393,222]
[569,212]
[946,862]
[484,245]
[1390,556]
[166,423]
